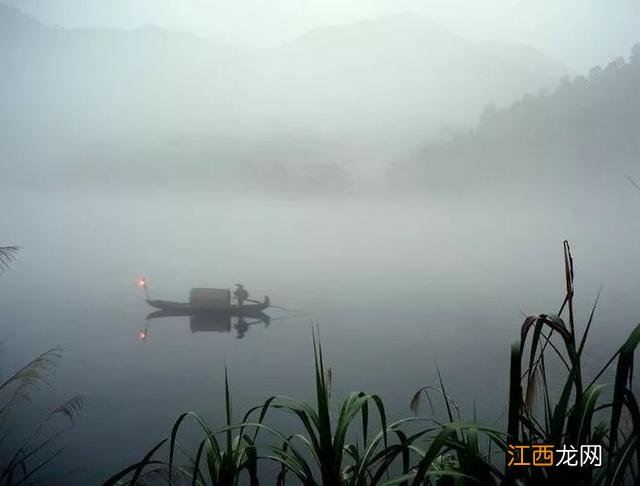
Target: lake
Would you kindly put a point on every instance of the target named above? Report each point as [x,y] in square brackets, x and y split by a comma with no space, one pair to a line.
[398,288]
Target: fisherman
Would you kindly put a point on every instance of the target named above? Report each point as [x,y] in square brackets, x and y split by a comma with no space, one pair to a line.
[240,294]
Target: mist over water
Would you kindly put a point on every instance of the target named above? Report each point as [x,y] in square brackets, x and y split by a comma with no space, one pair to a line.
[398,288]
[406,186]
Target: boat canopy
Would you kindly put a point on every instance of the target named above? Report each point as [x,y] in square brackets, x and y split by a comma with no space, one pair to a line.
[203,298]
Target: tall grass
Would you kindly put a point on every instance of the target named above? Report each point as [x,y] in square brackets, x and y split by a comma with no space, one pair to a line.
[583,412]
[323,452]
[7,256]
[320,454]
[221,457]
[37,449]
[329,449]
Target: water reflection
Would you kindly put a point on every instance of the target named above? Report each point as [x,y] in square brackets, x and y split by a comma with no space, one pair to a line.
[203,321]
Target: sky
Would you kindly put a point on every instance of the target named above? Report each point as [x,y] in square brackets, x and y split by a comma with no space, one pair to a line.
[579,33]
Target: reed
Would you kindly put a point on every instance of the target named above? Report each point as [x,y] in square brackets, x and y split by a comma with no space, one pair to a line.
[320,454]
[7,256]
[329,449]
[38,449]
[25,463]
[221,457]
[583,413]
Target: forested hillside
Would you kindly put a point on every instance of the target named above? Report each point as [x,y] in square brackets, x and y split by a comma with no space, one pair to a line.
[584,134]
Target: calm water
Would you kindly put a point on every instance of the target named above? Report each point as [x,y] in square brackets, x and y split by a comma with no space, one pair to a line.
[397,288]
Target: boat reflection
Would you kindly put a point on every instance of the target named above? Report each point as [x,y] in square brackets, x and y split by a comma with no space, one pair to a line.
[204,321]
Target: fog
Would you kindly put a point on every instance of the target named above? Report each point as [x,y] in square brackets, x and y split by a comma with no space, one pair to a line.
[402,173]
[326,112]
[579,33]
[414,285]
[134,107]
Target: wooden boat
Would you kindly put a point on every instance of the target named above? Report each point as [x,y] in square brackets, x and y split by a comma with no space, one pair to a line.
[187,308]
[208,301]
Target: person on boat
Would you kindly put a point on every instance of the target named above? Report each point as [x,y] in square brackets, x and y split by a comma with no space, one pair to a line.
[240,294]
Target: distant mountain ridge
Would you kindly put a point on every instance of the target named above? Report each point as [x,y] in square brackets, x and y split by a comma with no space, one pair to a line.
[373,86]
[408,69]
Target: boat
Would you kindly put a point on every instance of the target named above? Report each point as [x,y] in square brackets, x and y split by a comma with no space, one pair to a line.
[187,308]
[211,310]
[208,301]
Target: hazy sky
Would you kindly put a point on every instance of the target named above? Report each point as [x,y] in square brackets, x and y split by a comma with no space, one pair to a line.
[579,33]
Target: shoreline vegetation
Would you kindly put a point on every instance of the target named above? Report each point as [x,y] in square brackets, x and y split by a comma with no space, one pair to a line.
[336,443]
[38,447]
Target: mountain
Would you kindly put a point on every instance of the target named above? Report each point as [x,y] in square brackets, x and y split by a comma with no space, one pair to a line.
[399,76]
[100,81]
[109,104]
[581,136]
